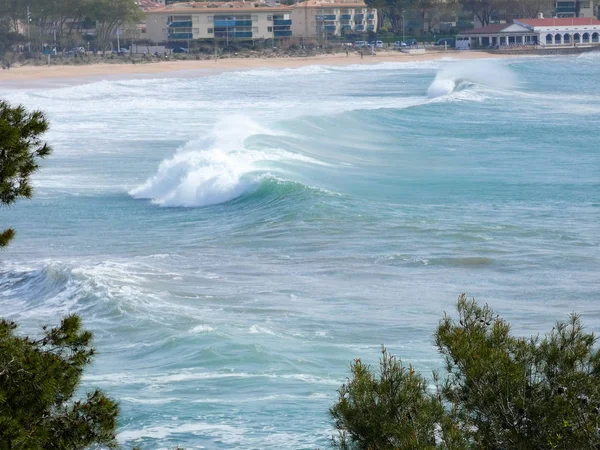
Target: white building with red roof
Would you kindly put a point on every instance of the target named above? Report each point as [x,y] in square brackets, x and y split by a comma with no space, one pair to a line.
[566,31]
[541,32]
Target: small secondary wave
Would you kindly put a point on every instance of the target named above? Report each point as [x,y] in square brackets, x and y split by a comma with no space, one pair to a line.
[457,77]
[216,169]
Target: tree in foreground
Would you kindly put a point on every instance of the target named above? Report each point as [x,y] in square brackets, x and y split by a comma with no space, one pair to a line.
[38,377]
[499,391]
[21,148]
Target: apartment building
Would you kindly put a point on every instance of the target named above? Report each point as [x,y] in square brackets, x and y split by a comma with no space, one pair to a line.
[321,18]
[241,20]
[573,8]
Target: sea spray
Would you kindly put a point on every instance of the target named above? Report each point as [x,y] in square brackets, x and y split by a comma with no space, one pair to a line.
[461,74]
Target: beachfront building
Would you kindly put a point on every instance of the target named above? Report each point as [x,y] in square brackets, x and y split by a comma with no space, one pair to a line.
[259,20]
[543,32]
[228,21]
[573,31]
[322,18]
[573,8]
[496,34]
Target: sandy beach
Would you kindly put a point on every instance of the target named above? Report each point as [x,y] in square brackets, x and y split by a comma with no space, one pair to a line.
[32,73]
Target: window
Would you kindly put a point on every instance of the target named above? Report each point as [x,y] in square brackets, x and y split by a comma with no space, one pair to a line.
[254,18]
[269,29]
[255,29]
[210,19]
[196,30]
[269,18]
[210,31]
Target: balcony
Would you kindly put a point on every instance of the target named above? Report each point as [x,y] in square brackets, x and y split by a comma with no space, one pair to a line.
[371,28]
[359,28]
[326,17]
[233,34]
[278,22]
[187,24]
[346,16]
[371,16]
[359,17]
[329,27]
[232,23]
[183,36]
[566,9]
[346,27]
[282,33]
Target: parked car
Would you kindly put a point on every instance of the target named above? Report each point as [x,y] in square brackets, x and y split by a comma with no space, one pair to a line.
[446,41]
[377,44]
[359,44]
[181,50]
[399,44]
[411,42]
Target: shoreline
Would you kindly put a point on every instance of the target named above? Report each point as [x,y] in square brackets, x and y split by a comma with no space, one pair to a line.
[101,70]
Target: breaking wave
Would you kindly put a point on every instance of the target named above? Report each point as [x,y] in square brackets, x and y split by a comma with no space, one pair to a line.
[217,168]
[457,77]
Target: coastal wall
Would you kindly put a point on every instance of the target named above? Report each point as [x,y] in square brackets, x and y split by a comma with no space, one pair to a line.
[547,51]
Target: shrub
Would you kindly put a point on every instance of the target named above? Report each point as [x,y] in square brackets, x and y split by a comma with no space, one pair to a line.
[499,391]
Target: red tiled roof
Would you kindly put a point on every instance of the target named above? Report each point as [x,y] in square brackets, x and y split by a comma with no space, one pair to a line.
[493,28]
[560,22]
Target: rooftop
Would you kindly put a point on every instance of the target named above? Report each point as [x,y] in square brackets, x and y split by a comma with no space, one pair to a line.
[245,6]
[493,28]
[559,22]
[216,6]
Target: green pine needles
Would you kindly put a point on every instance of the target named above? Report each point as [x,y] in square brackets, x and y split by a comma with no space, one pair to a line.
[38,378]
[500,392]
[20,149]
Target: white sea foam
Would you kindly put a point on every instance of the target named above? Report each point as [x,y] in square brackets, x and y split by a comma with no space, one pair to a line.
[215,169]
[202,329]
[257,329]
[162,431]
[459,75]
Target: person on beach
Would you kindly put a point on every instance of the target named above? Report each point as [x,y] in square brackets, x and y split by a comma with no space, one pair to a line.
[361,54]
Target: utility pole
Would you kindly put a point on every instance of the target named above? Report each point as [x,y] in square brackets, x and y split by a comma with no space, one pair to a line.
[118,43]
[403,38]
[28,29]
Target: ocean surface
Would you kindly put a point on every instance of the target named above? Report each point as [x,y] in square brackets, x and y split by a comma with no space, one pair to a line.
[234,241]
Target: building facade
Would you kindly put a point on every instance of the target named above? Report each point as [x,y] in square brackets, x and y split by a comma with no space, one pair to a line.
[542,32]
[327,18]
[574,31]
[573,8]
[245,21]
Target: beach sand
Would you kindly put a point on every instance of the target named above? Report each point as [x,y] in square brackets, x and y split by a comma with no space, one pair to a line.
[32,73]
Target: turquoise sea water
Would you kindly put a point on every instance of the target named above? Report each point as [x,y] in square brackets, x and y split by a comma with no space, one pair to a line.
[235,240]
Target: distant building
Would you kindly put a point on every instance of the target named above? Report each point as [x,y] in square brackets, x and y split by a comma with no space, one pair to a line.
[573,8]
[259,20]
[544,32]
[564,31]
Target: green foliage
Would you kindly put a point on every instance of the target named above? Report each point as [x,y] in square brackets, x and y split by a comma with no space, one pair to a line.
[392,410]
[499,392]
[67,19]
[38,378]
[521,393]
[20,149]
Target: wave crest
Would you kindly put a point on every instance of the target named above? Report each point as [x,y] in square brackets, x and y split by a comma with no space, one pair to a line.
[457,77]
[215,169]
